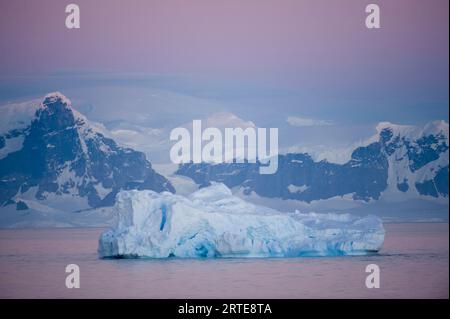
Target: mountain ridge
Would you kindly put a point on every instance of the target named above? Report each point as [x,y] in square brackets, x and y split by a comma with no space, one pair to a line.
[63,154]
[398,161]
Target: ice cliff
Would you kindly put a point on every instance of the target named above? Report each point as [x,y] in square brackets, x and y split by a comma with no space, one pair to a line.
[211,222]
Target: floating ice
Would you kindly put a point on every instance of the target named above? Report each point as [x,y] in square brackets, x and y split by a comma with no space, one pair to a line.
[213,223]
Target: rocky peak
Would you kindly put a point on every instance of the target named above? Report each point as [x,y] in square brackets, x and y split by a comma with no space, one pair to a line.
[65,155]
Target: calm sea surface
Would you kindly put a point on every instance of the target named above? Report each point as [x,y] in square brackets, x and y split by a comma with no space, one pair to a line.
[414,264]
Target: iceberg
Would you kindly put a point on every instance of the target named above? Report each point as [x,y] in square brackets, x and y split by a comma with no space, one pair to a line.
[212,222]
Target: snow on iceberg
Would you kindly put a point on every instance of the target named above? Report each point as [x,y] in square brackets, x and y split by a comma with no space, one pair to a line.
[212,222]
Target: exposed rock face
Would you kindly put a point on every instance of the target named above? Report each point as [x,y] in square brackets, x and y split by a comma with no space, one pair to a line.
[62,153]
[401,159]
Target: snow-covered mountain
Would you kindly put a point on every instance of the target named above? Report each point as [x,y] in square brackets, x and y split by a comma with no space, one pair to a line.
[400,162]
[51,154]
[418,158]
[53,161]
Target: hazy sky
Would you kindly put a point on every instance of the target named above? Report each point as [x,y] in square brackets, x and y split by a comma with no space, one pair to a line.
[264,60]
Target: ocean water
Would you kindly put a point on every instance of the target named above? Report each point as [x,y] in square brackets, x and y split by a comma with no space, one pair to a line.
[414,263]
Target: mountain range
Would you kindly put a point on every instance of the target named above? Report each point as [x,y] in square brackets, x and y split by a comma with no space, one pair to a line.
[55,162]
[399,160]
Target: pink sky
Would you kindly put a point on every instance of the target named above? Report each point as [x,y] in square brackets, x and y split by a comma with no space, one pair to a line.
[310,40]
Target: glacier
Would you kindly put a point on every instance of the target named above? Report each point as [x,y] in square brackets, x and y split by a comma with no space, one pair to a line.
[212,222]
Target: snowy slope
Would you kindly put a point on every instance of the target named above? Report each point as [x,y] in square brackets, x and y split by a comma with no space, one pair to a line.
[418,159]
[398,163]
[52,157]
